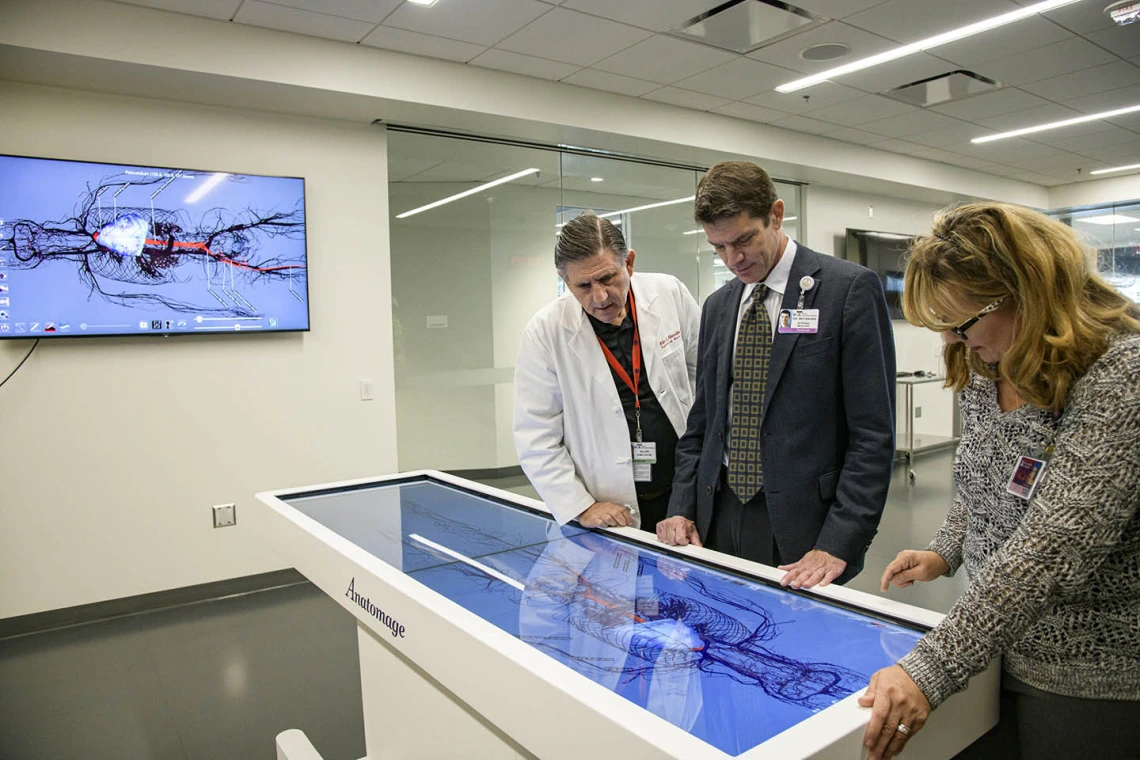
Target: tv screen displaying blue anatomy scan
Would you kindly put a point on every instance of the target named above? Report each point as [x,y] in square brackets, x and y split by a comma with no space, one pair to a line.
[108,249]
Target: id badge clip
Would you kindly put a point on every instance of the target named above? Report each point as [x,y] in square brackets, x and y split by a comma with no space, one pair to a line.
[799,319]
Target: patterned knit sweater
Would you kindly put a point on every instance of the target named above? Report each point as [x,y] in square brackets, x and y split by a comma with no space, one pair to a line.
[1055,581]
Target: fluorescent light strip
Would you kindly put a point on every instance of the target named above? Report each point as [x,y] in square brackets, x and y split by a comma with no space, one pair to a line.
[926,44]
[1107,219]
[1116,169]
[1056,124]
[648,206]
[466,193]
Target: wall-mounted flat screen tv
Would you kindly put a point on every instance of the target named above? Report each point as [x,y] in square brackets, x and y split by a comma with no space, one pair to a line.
[108,249]
[885,254]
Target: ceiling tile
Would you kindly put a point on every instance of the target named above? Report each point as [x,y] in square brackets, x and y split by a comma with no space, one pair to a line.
[851,135]
[361,10]
[664,60]
[897,73]
[1122,40]
[835,8]
[573,37]
[687,98]
[1012,150]
[909,123]
[1129,121]
[861,111]
[482,23]
[750,112]
[415,43]
[1062,138]
[956,137]
[895,145]
[804,124]
[1028,117]
[1027,34]
[527,65]
[1110,76]
[223,10]
[913,20]
[1033,177]
[1079,18]
[811,99]
[1111,136]
[1107,101]
[256,13]
[1115,155]
[991,104]
[786,52]
[602,80]
[657,15]
[737,79]
[1065,57]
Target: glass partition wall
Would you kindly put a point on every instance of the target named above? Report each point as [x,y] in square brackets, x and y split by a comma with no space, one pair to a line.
[1113,230]
[468,274]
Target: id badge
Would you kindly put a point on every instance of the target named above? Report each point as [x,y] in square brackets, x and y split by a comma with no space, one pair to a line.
[798,321]
[1026,475]
[644,457]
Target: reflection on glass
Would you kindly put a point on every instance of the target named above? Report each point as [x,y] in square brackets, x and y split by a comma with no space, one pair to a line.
[1114,232]
[730,660]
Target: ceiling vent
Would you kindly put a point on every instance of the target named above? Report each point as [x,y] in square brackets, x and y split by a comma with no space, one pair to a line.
[742,26]
[943,88]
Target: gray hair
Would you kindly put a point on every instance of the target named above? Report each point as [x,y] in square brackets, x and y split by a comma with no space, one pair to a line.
[585,236]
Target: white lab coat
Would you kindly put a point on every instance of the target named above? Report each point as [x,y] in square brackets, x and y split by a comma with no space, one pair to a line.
[570,430]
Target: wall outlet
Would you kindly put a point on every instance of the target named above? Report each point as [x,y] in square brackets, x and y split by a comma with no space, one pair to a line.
[917,412]
[224,515]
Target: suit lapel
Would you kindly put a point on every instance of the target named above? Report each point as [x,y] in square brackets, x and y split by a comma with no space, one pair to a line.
[783,343]
[726,341]
[583,342]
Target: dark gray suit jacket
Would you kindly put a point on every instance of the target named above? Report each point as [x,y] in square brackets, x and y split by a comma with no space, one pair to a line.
[828,430]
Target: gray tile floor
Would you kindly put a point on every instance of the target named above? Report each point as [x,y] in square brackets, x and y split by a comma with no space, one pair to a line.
[218,680]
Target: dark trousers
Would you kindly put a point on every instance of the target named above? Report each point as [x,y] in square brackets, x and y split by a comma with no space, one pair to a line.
[653,509]
[742,530]
[1038,725]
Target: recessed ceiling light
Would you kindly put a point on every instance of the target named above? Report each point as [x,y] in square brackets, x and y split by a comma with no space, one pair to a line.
[693,232]
[597,179]
[1107,219]
[1056,124]
[930,42]
[828,51]
[425,3]
[1116,169]
[466,193]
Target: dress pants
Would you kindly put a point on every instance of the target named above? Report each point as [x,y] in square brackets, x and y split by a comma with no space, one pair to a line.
[742,530]
[653,509]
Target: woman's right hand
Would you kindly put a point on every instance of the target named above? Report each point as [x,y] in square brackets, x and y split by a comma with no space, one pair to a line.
[910,566]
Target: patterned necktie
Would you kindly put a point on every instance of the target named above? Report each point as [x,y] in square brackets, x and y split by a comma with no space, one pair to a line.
[749,379]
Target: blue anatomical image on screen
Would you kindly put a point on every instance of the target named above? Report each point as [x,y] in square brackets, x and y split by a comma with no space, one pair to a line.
[107,249]
[729,659]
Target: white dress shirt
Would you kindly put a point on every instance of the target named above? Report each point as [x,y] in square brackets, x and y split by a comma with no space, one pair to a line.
[777,283]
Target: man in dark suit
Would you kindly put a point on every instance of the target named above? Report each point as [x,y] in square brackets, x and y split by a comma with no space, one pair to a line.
[789,447]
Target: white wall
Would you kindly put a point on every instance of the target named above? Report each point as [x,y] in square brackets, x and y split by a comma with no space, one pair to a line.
[1108,190]
[829,213]
[114,449]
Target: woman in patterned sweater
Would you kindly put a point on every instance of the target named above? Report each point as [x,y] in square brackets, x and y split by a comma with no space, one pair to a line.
[1046,358]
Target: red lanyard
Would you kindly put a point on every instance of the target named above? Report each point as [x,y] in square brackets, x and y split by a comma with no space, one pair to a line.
[620,370]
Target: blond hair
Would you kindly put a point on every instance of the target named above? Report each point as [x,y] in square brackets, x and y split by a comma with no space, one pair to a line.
[979,253]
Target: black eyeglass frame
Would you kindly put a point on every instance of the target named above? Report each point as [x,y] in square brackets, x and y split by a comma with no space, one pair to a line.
[961,329]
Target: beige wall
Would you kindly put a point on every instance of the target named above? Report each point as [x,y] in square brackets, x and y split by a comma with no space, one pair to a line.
[114,450]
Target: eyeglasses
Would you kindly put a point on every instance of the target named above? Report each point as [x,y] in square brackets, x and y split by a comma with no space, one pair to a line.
[961,329]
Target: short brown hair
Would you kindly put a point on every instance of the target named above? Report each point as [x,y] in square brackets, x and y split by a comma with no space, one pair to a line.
[732,188]
[981,252]
[585,236]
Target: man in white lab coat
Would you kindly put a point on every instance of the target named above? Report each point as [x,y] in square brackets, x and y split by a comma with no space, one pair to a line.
[603,383]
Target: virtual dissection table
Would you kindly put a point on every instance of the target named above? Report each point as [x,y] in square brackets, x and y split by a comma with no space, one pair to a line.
[486,630]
